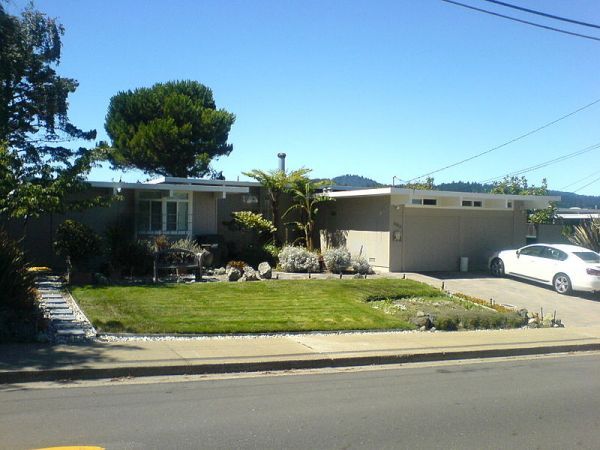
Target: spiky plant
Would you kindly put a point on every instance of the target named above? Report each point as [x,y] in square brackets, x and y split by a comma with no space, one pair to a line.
[17,287]
[587,234]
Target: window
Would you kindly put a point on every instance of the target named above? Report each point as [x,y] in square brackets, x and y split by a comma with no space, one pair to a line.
[163,212]
[590,257]
[554,253]
[535,250]
[430,201]
[472,203]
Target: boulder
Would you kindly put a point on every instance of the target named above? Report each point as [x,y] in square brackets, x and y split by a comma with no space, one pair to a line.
[265,271]
[250,274]
[423,321]
[220,271]
[233,274]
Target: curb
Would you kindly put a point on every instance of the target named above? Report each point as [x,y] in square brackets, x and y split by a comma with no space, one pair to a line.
[23,376]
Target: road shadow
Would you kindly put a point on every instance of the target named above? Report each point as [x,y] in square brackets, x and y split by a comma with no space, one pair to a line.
[457,275]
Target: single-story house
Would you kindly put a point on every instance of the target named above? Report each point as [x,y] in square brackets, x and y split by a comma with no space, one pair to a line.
[175,207]
[402,230]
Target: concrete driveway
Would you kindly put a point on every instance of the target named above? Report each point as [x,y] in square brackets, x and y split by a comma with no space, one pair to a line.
[577,310]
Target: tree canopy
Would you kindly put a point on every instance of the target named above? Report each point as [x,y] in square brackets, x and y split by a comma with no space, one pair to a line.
[519,186]
[170,129]
[37,170]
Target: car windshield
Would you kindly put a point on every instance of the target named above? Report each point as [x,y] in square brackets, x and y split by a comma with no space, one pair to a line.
[591,257]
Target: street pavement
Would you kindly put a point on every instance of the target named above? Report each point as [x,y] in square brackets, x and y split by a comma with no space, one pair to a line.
[543,402]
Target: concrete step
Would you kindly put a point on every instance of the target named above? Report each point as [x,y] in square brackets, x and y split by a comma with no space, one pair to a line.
[55,301]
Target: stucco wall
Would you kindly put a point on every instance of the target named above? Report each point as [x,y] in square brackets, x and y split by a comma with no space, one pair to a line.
[362,224]
[434,240]
[204,213]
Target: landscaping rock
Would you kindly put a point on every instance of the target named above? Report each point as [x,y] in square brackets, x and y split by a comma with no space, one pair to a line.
[420,314]
[220,271]
[523,313]
[358,276]
[250,274]
[422,321]
[233,274]
[265,271]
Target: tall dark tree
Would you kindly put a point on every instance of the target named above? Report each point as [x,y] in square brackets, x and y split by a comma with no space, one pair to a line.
[171,129]
[37,169]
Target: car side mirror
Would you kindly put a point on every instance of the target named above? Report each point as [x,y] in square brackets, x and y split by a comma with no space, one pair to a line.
[518,253]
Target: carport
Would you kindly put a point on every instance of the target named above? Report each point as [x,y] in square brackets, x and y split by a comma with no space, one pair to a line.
[401,230]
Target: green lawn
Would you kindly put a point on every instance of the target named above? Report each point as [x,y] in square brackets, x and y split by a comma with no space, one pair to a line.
[296,305]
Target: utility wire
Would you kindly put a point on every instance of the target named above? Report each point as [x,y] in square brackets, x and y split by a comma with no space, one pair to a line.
[546,163]
[585,36]
[580,180]
[518,138]
[586,185]
[540,13]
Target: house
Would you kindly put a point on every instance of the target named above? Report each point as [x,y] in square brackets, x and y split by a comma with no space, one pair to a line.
[400,229]
[175,207]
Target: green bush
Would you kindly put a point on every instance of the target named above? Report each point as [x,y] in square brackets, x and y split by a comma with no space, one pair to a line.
[476,319]
[18,312]
[77,241]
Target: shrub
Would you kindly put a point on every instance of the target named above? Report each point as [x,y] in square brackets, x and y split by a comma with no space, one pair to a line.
[187,244]
[239,265]
[361,265]
[77,241]
[18,312]
[298,259]
[127,255]
[587,234]
[336,259]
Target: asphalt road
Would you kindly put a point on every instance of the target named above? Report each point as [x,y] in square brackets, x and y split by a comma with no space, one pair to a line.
[535,403]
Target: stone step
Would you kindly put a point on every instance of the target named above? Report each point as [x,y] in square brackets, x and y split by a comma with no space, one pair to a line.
[65,324]
[55,301]
[58,305]
[60,312]
[70,332]
[70,317]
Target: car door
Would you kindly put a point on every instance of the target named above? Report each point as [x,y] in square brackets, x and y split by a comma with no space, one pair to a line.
[552,263]
[529,262]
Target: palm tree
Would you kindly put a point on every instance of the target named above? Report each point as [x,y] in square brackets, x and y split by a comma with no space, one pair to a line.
[277,182]
[307,201]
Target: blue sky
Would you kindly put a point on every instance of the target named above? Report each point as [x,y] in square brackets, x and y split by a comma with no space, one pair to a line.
[375,88]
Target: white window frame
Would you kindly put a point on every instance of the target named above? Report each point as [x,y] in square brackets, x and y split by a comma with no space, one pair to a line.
[164,199]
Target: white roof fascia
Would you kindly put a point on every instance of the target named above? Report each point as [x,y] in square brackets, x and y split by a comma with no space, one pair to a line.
[202,181]
[534,200]
[171,187]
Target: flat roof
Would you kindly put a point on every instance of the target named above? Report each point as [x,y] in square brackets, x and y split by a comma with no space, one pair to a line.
[172,187]
[416,193]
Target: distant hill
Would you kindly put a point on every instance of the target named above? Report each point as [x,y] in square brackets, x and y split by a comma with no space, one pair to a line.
[568,199]
[355,181]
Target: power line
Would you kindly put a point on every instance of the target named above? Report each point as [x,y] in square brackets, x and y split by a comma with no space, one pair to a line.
[580,180]
[540,13]
[546,163]
[586,185]
[585,36]
[518,138]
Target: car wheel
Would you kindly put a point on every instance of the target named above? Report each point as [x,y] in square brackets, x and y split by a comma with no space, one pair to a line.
[497,267]
[562,284]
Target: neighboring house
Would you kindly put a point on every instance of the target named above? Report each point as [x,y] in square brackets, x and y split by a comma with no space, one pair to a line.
[402,230]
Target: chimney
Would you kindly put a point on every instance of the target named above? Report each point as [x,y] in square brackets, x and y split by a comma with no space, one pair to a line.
[281,157]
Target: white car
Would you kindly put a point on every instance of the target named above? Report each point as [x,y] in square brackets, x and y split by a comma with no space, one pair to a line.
[565,267]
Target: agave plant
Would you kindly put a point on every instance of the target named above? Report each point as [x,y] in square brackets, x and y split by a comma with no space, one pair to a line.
[587,234]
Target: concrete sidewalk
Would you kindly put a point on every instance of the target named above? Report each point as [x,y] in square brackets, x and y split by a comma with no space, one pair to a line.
[22,363]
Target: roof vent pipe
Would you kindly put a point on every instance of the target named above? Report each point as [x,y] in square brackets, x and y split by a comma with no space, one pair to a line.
[281,157]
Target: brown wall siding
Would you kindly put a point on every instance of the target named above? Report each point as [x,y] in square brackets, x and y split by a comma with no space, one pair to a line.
[40,232]
[204,213]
